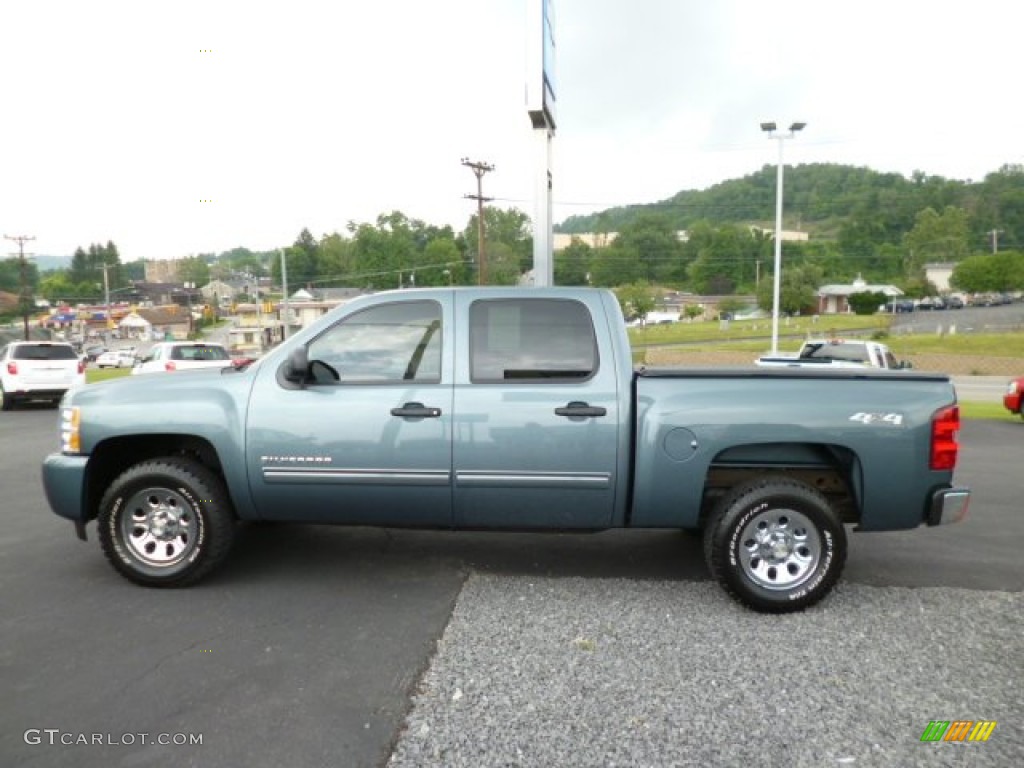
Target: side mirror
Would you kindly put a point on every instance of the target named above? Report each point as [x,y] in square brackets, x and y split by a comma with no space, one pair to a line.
[297,367]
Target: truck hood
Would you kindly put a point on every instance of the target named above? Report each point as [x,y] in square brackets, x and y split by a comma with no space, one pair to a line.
[172,390]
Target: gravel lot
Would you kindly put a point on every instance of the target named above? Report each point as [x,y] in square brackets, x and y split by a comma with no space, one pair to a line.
[566,672]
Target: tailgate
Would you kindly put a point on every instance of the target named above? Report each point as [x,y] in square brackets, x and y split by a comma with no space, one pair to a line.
[46,374]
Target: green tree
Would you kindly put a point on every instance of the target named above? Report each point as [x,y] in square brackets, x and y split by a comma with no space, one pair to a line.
[81,268]
[798,290]
[866,302]
[240,260]
[572,263]
[502,227]
[1003,271]
[194,270]
[87,265]
[57,286]
[652,239]
[636,299]
[936,237]
[335,262]
[617,264]
[444,264]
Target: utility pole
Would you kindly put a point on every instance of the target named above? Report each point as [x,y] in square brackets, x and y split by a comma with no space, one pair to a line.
[479,169]
[285,310]
[106,300]
[26,297]
[995,239]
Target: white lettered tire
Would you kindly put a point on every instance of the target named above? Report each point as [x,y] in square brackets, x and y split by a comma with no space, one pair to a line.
[775,544]
[166,522]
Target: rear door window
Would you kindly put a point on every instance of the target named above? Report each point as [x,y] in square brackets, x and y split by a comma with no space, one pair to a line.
[531,340]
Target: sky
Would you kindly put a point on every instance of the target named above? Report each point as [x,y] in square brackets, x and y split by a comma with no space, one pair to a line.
[179,127]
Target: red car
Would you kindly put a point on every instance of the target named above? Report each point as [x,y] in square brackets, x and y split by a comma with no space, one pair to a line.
[1014,397]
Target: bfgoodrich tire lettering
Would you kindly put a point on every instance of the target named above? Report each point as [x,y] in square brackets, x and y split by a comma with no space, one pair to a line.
[775,544]
[166,522]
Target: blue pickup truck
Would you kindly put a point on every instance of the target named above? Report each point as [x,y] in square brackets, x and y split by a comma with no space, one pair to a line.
[511,409]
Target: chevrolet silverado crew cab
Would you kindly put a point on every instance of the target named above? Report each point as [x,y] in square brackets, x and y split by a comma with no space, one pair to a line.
[510,409]
[38,370]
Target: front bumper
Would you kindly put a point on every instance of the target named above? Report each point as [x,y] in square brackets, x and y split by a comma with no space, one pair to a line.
[948,506]
[64,483]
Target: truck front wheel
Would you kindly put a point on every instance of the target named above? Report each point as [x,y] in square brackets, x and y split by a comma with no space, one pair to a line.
[775,545]
[166,522]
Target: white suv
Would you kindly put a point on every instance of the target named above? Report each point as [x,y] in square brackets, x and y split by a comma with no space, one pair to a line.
[38,370]
[183,356]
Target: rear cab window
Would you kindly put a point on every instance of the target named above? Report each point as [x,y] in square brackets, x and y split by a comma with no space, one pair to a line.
[43,352]
[199,352]
[531,340]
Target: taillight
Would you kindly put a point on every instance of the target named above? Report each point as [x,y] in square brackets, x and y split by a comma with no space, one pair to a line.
[81,366]
[12,368]
[169,365]
[945,425]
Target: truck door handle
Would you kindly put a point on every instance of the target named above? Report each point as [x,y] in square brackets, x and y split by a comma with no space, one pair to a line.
[578,409]
[416,411]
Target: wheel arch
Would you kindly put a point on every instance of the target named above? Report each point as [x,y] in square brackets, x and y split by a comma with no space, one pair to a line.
[113,456]
[833,470]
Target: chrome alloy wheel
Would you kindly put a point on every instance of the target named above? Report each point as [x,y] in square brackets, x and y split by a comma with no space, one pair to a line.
[159,527]
[779,549]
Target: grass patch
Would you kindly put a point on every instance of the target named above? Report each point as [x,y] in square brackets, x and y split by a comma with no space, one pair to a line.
[990,411]
[995,344]
[713,332]
[92,375]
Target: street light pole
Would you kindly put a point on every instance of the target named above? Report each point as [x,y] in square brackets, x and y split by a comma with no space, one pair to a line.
[769,128]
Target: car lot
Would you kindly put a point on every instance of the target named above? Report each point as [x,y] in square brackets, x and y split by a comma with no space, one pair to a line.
[306,647]
[967,320]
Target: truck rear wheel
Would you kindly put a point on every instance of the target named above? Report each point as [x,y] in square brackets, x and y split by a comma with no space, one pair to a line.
[166,522]
[775,545]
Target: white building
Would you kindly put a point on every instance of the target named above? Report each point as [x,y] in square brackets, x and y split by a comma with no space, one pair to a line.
[939,274]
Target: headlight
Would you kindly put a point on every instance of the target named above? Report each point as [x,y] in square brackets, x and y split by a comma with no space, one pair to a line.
[70,425]
[1012,388]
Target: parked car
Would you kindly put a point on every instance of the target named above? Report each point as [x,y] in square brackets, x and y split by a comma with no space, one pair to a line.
[900,305]
[92,352]
[38,370]
[183,356]
[117,358]
[1014,397]
[954,302]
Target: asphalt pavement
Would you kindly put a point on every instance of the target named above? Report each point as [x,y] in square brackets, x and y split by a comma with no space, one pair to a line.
[328,646]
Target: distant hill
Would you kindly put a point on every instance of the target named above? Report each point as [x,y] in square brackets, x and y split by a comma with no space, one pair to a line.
[48,263]
[824,199]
